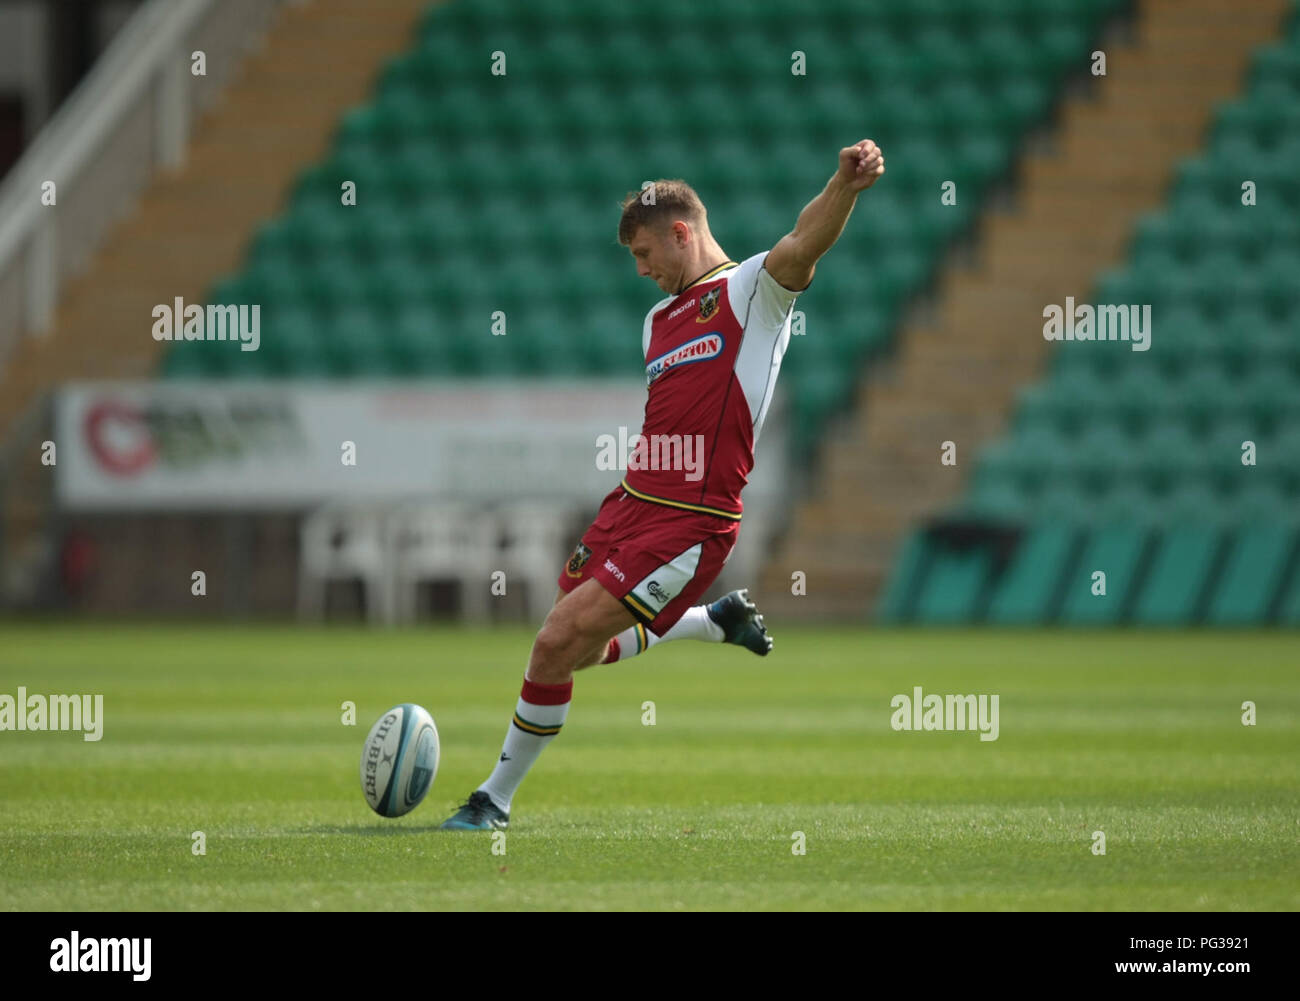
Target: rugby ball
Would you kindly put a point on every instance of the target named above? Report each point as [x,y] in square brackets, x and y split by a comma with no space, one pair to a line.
[399,760]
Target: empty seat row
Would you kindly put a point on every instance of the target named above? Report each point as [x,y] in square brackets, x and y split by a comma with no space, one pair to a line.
[1180,575]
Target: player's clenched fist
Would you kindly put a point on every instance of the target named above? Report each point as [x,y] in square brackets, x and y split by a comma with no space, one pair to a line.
[861,164]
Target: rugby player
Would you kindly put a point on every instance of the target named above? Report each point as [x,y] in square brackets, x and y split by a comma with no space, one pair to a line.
[713,348]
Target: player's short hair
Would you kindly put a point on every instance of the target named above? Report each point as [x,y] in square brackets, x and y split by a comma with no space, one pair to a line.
[673,200]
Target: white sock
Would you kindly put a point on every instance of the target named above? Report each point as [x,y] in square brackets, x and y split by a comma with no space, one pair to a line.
[539,715]
[695,624]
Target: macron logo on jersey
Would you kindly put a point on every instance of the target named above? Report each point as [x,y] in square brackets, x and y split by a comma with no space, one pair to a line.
[697,349]
[681,309]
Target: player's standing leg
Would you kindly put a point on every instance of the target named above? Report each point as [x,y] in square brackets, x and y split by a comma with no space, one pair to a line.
[576,629]
[617,576]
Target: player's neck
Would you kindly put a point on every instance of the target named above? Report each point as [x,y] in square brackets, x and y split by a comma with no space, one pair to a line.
[705,263]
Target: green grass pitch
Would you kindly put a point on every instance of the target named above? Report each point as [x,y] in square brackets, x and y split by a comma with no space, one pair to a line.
[237,732]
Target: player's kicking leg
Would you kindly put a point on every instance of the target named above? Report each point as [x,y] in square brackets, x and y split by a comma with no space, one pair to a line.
[733,618]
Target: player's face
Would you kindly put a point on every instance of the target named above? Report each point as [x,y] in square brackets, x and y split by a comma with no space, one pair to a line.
[656,258]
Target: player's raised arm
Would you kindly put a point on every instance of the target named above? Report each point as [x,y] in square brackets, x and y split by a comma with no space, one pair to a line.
[795,256]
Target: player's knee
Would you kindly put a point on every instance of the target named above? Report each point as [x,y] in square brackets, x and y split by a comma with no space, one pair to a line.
[554,656]
[548,644]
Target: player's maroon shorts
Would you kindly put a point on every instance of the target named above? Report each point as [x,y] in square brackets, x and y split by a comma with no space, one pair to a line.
[657,560]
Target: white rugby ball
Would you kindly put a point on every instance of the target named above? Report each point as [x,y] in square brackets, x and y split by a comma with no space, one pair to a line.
[399,760]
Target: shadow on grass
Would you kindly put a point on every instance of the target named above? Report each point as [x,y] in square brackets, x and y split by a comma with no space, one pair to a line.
[391,830]
[375,830]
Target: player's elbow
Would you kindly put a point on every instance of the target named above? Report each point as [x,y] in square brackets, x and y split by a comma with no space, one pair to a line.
[791,264]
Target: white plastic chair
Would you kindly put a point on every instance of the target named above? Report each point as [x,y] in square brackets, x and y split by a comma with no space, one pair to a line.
[444,541]
[539,535]
[345,543]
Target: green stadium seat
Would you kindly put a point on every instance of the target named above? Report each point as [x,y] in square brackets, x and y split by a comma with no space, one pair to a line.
[1159,232]
[1060,501]
[1220,453]
[1289,603]
[333,284]
[1201,396]
[1028,590]
[954,586]
[1140,396]
[1279,62]
[997,499]
[296,351]
[1280,461]
[1023,100]
[1256,559]
[816,394]
[182,364]
[1179,575]
[1269,397]
[281,281]
[545,350]
[367,132]
[366,171]
[608,341]
[1067,402]
[1185,341]
[375,230]
[1027,460]
[395,278]
[903,113]
[1127,503]
[1117,551]
[204,359]
[940,55]
[420,342]
[978,159]
[1040,15]
[1102,456]
[240,364]
[898,275]
[1061,46]
[1166,456]
[1234,350]
[1280,292]
[1001,53]
[895,604]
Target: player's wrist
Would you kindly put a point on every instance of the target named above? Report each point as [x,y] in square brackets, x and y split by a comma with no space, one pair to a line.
[841,187]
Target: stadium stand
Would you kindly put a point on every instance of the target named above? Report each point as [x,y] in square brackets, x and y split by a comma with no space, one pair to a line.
[964,355]
[483,194]
[1176,470]
[451,224]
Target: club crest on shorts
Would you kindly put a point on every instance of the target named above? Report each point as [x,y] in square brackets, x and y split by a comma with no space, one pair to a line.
[581,554]
[708,304]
